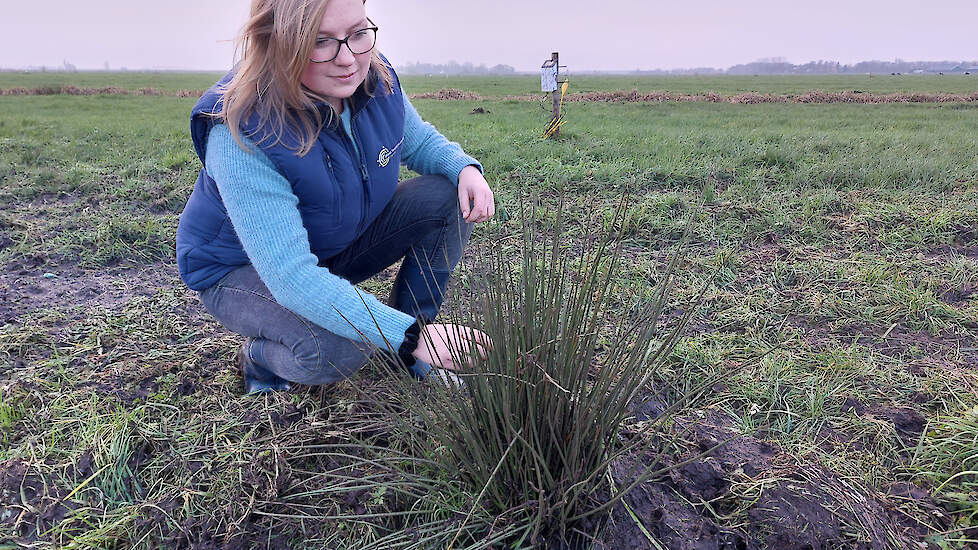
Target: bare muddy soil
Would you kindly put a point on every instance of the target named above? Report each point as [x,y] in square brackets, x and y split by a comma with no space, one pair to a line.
[798,506]
[895,341]
[30,285]
[29,504]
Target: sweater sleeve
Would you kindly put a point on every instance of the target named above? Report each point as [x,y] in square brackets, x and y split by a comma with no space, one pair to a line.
[426,151]
[264,213]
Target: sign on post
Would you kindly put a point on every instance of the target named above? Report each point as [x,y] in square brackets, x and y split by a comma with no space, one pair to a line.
[548,74]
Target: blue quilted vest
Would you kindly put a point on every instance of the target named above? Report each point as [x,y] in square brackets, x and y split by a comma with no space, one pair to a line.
[340,192]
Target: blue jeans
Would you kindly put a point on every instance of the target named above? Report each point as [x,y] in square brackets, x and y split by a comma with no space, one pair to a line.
[422,224]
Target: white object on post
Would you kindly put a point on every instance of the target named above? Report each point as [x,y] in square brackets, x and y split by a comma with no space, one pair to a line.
[548,74]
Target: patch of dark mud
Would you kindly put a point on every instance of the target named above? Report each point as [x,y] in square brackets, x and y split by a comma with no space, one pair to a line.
[914,512]
[834,441]
[85,465]
[121,388]
[447,93]
[648,407]
[701,480]
[781,510]
[966,234]
[29,286]
[813,508]
[800,507]
[896,341]
[957,296]
[901,341]
[268,477]
[661,509]
[665,508]
[735,453]
[287,415]
[907,423]
[30,504]
[206,533]
[187,385]
[951,251]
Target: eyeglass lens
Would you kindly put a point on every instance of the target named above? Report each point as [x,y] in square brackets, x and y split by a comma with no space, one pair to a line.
[326,49]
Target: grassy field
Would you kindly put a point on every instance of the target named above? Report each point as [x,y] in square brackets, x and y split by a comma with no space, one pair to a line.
[840,240]
[496,87]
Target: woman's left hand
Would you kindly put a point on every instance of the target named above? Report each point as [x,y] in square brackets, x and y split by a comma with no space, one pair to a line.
[474,196]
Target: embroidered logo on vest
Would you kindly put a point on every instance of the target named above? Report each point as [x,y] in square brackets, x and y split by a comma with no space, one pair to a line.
[384,157]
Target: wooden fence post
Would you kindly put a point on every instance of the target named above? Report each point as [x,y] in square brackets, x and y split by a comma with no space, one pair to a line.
[555,58]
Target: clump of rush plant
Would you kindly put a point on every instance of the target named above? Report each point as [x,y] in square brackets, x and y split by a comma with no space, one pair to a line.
[535,425]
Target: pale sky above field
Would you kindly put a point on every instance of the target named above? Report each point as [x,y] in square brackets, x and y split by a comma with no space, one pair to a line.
[608,35]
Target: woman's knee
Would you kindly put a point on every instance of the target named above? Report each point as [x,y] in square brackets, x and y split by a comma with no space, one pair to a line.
[326,358]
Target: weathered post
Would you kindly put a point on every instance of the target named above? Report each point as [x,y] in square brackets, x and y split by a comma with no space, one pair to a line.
[556,92]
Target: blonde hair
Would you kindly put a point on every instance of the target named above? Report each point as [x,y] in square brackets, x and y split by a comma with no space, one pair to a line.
[275,45]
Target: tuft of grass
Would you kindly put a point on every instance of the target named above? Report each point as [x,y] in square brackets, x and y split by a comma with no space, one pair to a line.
[536,423]
[947,456]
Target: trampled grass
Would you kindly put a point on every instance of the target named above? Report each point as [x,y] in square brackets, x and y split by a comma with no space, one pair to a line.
[843,237]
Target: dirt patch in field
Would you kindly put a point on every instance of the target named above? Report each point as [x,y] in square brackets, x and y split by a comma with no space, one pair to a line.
[30,504]
[952,251]
[907,423]
[447,93]
[899,341]
[958,296]
[31,284]
[895,341]
[795,506]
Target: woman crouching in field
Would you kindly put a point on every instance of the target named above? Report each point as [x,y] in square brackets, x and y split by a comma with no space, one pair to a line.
[299,200]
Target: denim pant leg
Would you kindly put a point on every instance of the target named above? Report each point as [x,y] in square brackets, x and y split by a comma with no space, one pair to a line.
[422,224]
[286,344]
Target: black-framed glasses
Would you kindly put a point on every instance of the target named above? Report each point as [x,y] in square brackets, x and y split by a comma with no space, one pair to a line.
[360,41]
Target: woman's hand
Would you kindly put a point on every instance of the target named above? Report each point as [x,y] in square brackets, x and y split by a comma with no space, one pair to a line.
[474,196]
[440,345]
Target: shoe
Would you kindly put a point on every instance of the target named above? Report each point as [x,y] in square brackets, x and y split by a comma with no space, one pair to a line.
[257,378]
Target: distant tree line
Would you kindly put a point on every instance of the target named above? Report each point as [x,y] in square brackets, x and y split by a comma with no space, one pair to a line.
[781,66]
[453,67]
[766,66]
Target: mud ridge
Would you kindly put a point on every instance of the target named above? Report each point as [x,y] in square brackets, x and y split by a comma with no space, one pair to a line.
[633,96]
[750,98]
[106,90]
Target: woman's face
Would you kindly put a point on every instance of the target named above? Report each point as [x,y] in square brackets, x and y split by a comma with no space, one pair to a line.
[339,78]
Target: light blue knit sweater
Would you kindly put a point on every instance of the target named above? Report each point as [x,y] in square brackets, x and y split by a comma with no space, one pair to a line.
[263,210]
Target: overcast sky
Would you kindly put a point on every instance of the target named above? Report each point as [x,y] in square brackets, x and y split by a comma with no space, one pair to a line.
[589,34]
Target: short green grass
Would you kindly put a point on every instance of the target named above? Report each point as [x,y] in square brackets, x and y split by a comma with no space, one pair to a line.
[494,86]
[843,237]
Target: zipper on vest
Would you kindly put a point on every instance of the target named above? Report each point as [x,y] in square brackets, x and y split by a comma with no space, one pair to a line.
[364,179]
